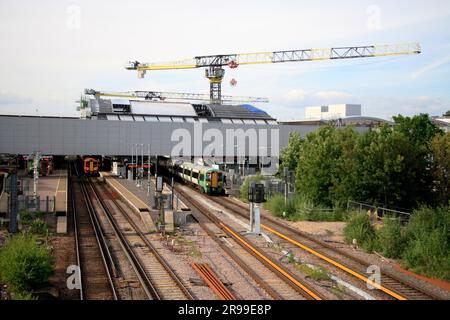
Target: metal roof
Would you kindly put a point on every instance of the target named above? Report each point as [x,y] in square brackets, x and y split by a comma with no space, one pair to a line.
[162,108]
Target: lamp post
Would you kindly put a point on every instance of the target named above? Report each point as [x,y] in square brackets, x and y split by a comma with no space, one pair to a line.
[261,159]
[132,162]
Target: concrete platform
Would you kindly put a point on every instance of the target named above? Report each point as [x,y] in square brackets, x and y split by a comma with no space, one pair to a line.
[134,197]
[137,198]
[53,188]
[129,192]
[61,225]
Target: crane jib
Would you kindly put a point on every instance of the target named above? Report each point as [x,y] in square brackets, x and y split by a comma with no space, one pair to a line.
[215,63]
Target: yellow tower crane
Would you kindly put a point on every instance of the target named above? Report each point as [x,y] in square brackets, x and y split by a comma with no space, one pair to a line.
[214,63]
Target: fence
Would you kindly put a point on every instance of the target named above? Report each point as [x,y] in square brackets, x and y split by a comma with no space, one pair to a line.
[378,211]
[36,204]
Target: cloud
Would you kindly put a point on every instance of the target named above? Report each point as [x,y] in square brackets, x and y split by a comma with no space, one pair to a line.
[55,50]
[332,95]
[10,98]
[384,107]
[295,95]
[300,95]
[430,67]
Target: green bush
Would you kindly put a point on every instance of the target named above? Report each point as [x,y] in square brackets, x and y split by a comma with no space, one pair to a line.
[423,245]
[428,249]
[24,264]
[19,295]
[360,228]
[277,206]
[300,209]
[37,226]
[391,238]
[33,222]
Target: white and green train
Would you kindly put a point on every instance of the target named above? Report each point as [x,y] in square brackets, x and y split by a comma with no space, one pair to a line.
[210,180]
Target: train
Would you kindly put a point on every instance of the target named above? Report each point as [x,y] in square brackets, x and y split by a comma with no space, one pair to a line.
[208,179]
[44,166]
[91,166]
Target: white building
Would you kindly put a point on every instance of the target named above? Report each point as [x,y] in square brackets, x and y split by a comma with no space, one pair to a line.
[442,122]
[333,111]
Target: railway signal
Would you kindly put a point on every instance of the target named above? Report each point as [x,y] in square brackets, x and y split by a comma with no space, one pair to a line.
[256,196]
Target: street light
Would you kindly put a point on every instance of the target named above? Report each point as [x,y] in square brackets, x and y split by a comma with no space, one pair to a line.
[261,159]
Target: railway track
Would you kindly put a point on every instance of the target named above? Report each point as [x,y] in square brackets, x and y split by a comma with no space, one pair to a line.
[213,281]
[391,285]
[160,280]
[93,257]
[275,279]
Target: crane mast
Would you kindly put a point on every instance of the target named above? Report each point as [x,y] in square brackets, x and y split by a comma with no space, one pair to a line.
[214,63]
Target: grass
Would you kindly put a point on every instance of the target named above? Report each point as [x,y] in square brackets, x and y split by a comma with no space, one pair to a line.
[391,238]
[428,248]
[315,273]
[300,209]
[33,223]
[24,265]
[360,228]
[193,250]
[423,245]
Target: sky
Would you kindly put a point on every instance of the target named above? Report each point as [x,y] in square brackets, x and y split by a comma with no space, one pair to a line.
[52,50]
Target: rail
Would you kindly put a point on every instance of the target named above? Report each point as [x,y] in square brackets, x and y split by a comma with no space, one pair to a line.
[213,281]
[300,286]
[152,288]
[398,288]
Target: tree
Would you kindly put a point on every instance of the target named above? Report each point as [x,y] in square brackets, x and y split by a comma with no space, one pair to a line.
[419,129]
[325,171]
[447,114]
[386,169]
[290,155]
[440,150]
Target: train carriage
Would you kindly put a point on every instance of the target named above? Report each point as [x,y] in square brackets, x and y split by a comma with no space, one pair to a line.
[91,166]
[210,180]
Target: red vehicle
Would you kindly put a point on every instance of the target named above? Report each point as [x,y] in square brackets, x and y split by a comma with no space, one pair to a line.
[91,166]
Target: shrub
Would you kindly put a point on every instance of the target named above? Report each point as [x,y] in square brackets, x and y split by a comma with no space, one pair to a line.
[300,209]
[33,222]
[428,249]
[360,228]
[25,265]
[391,238]
[38,226]
[19,295]
[277,206]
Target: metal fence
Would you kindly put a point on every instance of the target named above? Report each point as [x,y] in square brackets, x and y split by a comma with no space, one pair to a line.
[379,212]
[36,204]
